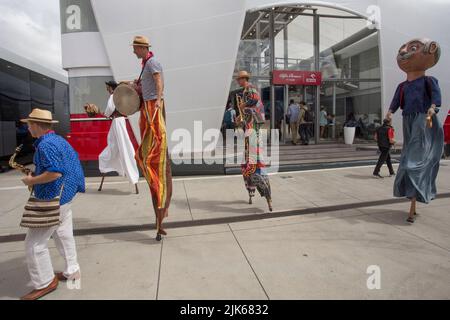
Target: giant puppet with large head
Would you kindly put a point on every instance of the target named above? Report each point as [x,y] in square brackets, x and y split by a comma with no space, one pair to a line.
[418,55]
[420,99]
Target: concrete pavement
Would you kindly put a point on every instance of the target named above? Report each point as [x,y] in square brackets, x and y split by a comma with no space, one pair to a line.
[324,254]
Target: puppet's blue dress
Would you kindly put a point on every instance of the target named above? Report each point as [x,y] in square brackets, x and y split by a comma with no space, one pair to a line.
[422,146]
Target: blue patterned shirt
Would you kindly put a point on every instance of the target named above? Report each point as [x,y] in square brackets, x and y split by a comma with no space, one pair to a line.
[54,154]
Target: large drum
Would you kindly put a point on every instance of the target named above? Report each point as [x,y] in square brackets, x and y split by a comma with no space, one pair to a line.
[126,99]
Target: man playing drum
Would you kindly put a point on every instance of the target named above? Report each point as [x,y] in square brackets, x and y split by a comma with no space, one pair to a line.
[119,154]
[152,154]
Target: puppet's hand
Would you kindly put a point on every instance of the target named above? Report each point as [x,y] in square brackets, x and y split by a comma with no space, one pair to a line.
[431,112]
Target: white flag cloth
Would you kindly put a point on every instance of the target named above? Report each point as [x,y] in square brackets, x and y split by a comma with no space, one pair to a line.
[118,155]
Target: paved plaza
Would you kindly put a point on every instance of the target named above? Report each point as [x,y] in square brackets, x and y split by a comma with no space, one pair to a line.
[329,229]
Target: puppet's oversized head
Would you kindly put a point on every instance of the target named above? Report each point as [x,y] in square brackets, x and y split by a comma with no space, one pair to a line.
[418,55]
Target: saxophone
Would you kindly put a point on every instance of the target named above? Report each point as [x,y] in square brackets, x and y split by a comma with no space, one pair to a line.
[239,101]
[13,164]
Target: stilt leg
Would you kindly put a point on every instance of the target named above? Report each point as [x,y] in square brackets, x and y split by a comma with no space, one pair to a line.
[412,211]
[159,220]
[158,235]
[101,184]
[269,203]
[137,189]
[251,194]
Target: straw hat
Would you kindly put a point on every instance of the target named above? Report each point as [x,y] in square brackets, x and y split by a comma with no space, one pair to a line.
[243,74]
[39,115]
[141,41]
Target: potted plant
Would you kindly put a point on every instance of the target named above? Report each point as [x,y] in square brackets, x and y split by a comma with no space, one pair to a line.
[350,129]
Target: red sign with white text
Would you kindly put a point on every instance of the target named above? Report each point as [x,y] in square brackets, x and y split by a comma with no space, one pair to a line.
[304,78]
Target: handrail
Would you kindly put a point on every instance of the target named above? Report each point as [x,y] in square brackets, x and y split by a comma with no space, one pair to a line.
[89,119]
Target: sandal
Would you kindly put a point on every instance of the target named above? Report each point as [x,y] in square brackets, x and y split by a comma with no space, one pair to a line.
[410,220]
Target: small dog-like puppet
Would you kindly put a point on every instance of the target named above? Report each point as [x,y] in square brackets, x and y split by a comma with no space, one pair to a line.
[423,140]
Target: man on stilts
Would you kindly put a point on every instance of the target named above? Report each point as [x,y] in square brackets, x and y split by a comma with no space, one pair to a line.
[253,169]
[152,154]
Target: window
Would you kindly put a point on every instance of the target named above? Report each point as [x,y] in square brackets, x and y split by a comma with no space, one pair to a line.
[88,90]
[14,91]
[41,88]
[20,91]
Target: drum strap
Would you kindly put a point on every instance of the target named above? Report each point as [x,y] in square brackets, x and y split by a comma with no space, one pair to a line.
[143,68]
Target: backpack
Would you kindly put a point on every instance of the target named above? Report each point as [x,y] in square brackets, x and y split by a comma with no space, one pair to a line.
[307,116]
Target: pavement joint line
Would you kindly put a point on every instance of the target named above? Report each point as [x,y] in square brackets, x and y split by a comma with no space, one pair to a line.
[225,220]
[298,222]
[215,177]
[406,231]
[188,203]
[159,269]
[249,263]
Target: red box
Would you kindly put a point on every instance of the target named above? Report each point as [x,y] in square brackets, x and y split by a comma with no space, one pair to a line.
[88,136]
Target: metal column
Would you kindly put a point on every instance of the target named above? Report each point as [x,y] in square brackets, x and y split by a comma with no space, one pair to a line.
[286,87]
[258,48]
[286,104]
[272,67]
[286,47]
[316,39]
[334,110]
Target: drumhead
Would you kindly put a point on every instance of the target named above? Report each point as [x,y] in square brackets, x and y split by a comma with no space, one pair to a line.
[126,99]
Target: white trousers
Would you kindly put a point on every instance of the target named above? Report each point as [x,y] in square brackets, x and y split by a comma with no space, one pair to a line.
[37,253]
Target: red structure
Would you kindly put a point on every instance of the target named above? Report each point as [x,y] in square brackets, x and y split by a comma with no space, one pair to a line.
[447,136]
[88,136]
[447,129]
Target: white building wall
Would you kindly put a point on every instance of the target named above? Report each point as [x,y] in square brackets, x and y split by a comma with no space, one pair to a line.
[400,21]
[84,54]
[403,20]
[197,43]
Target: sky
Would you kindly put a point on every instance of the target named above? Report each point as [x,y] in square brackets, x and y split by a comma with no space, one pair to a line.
[31,28]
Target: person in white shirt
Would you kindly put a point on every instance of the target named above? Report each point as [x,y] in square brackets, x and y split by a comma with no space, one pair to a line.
[118,155]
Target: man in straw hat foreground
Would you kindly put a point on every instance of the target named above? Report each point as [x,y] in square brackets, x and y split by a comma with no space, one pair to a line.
[253,169]
[57,168]
[152,154]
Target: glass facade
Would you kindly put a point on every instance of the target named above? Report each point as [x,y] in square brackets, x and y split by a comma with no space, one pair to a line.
[342,46]
[88,90]
[20,91]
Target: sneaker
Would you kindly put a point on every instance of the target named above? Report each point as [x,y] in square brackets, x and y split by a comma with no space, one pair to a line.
[378,176]
[392,175]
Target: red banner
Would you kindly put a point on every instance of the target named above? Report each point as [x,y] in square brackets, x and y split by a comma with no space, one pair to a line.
[304,78]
